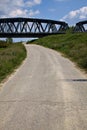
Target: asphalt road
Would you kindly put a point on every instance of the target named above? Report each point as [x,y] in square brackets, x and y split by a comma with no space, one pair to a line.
[46,93]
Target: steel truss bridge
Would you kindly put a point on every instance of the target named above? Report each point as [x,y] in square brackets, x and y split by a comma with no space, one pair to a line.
[29,27]
[81,26]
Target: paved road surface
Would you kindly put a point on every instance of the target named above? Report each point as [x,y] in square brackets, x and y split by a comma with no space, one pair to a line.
[47,93]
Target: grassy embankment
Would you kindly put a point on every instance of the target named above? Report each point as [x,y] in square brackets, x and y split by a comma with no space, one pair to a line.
[73,46]
[11,56]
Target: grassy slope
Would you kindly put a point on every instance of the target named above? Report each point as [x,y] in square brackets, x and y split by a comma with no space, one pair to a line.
[71,45]
[10,57]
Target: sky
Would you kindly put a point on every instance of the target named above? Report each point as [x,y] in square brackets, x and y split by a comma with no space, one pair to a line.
[70,11]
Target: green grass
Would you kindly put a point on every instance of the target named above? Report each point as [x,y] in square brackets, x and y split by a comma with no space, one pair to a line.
[11,56]
[72,45]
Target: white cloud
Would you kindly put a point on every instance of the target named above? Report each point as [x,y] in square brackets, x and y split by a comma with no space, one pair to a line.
[76,15]
[80,14]
[18,8]
[37,1]
[18,13]
[32,3]
[23,13]
[33,13]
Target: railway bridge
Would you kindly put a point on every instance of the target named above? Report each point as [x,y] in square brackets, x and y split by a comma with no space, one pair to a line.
[81,26]
[30,27]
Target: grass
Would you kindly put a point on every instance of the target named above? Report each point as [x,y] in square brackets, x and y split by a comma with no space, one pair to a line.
[72,45]
[11,56]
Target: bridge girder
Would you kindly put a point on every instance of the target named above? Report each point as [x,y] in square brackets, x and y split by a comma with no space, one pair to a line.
[29,27]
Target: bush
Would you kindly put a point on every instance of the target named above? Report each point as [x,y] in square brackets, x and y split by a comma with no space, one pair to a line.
[3,44]
[9,40]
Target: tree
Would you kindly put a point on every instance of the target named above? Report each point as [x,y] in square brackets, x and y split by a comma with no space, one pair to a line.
[9,40]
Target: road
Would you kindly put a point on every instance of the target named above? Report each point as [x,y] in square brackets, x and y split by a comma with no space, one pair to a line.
[48,92]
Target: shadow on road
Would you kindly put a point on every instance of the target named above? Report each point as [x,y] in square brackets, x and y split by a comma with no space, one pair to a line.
[73,80]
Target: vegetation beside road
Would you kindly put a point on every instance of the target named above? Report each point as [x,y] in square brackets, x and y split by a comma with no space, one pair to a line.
[11,56]
[72,45]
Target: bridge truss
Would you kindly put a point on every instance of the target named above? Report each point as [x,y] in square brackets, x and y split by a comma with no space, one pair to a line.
[81,26]
[29,27]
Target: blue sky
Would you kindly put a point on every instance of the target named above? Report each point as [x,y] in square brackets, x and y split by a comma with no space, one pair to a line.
[70,11]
